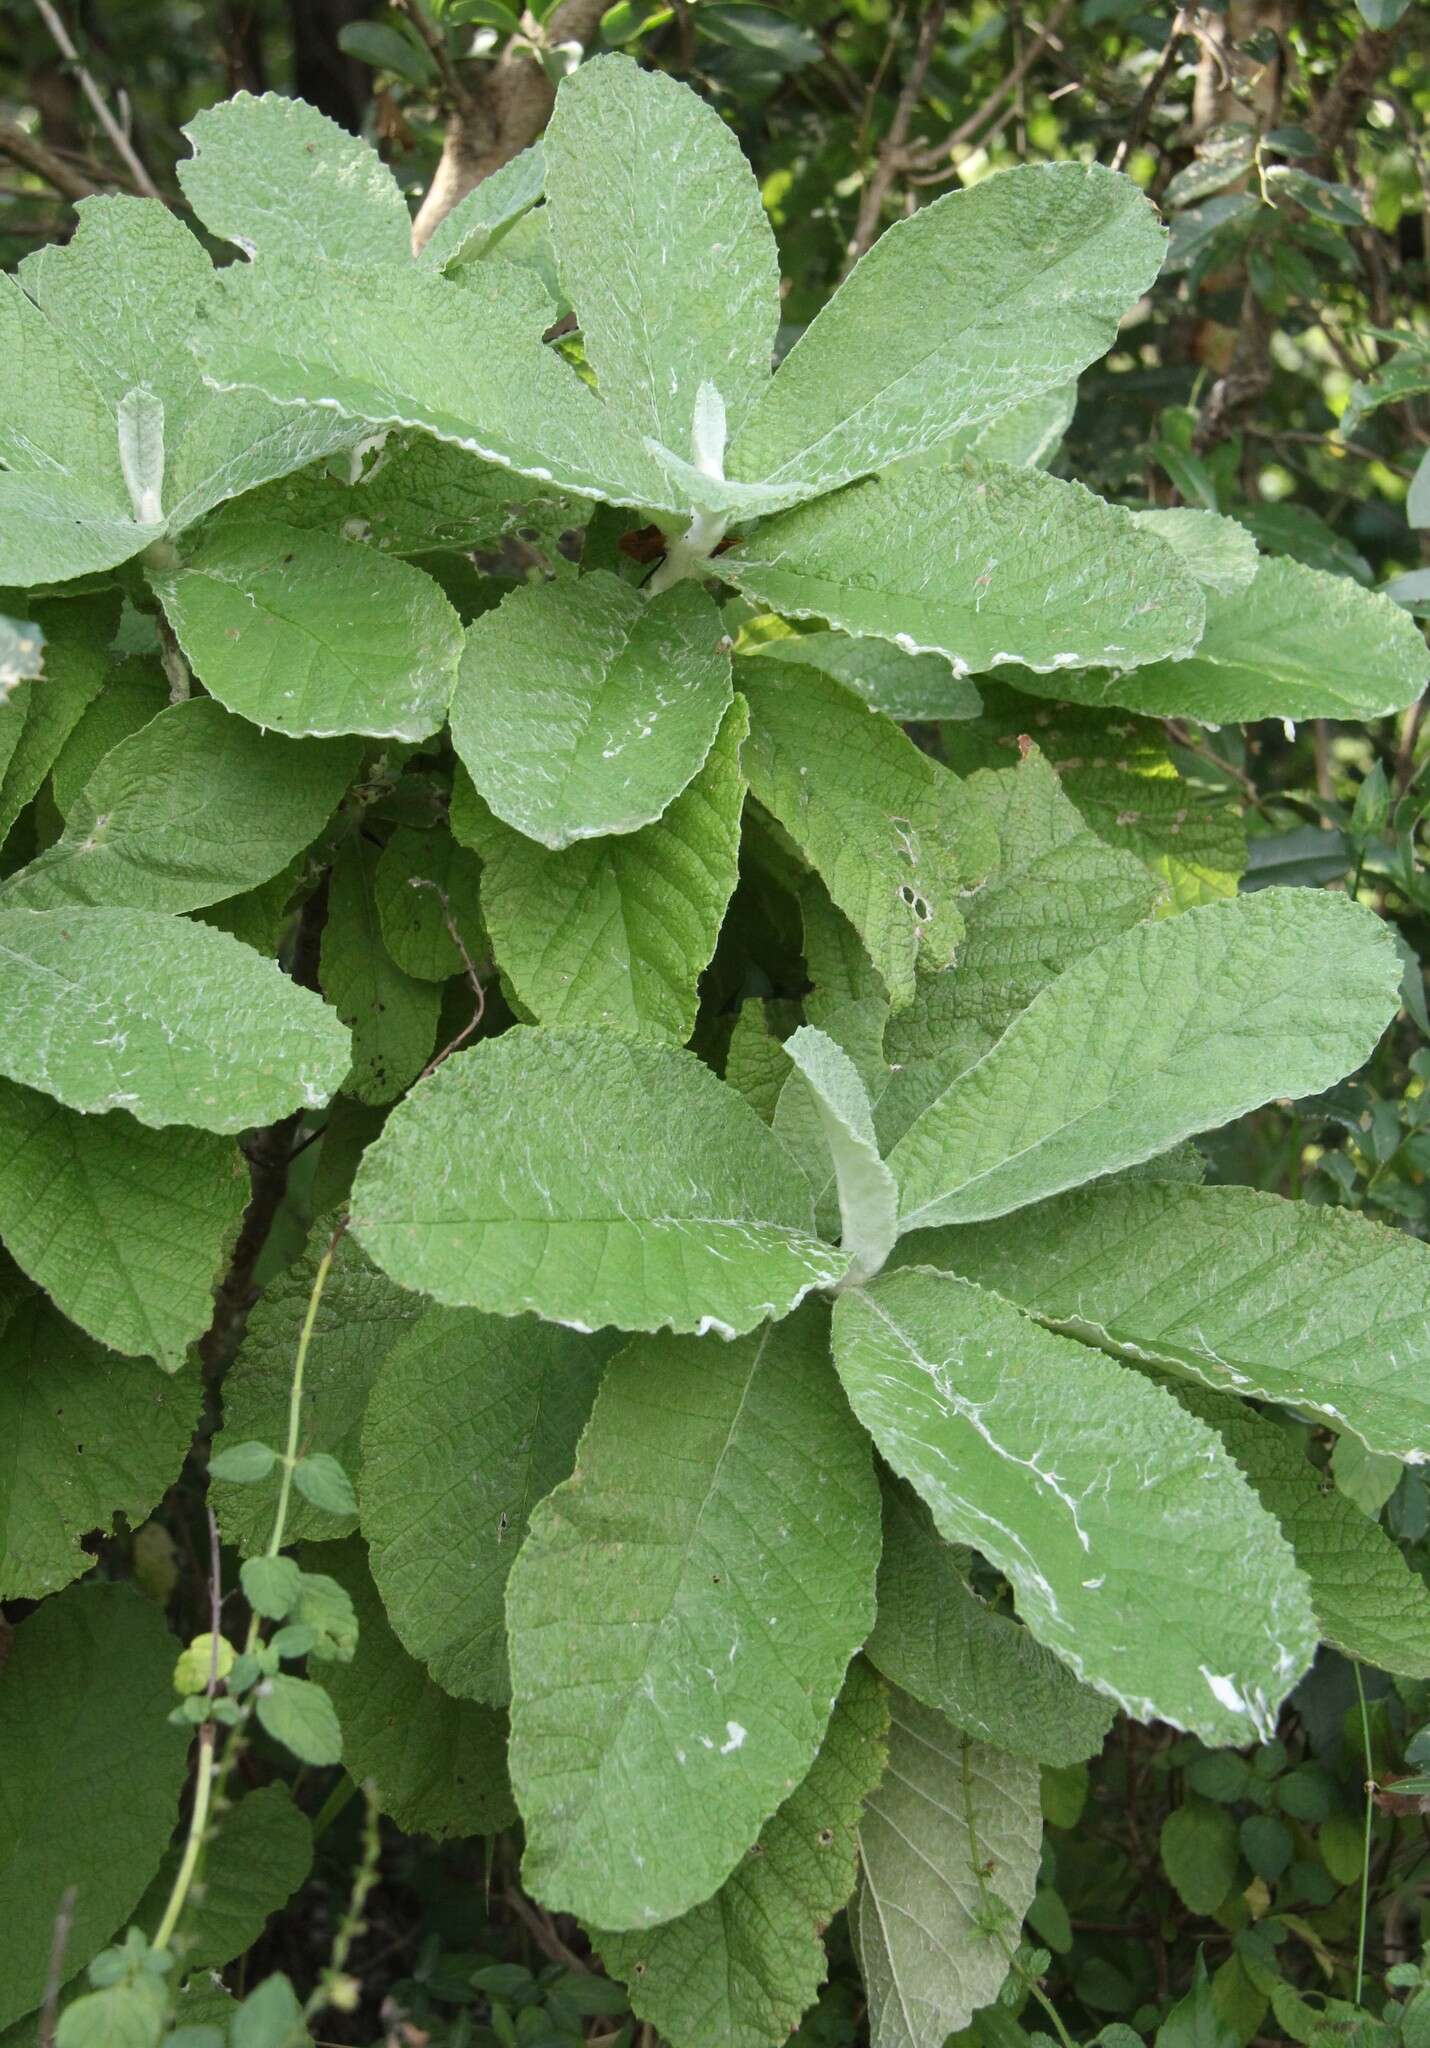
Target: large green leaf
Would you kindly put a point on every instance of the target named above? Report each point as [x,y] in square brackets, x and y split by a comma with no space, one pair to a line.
[392,1015]
[976,302]
[39,716]
[291,188]
[472,1420]
[867,808]
[948,1856]
[360,1317]
[1295,643]
[92,1772]
[85,1436]
[261,1852]
[979,562]
[438,1764]
[676,1648]
[584,708]
[617,931]
[310,634]
[1171,1028]
[664,249]
[196,806]
[130,1009]
[1317,1308]
[981,1669]
[593,1180]
[1044,891]
[1367,1600]
[739,1970]
[128,1228]
[904,686]
[828,1083]
[1153,1570]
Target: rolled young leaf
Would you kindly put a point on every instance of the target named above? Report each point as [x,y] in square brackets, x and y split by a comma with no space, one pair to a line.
[1170,1029]
[1153,1571]
[593,1180]
[868,1198]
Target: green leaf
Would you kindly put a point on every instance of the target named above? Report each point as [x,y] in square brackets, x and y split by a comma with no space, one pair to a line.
[360,1317]
[1172,1028]
[321,1480]
[584,708]
[313,635]
[270,1585]
[388,49]
[126,1227]
[392,1016]
[839,1102]
[472,1420]
[244,1464]
[261,1853]
[87,1437]
[948,1853]
[477,222]
[87,1677]
[41,715]
[422,878]
[130,1009]
[299,1714]
[741,1968]
[665,251]
[290,187]
[1295,643]
[980,1669]
[1367,1600]
[196,806]
[640,1794]
[930,333]
[1043,891]
[1200,1854]
[873,815]
[438,1765]
[131,696]
[617,931]
[269,2017]
[612,1182]
[903,686]
[982,563]
[1219,553]
[1315,1308]
[1004,1430]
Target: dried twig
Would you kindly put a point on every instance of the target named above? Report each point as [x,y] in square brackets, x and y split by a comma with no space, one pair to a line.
[36,156]
[893,155]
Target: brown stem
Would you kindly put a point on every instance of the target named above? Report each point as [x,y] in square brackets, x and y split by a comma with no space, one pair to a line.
[1141,113]
[892,153]
[36,156]
[1367,58]
[934,153]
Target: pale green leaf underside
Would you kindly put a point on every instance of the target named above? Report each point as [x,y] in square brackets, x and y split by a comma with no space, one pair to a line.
[868,1198]
[472,1420]
[584,708]
[1295,643]
[360,1317]
[593,1180]
[175,1022]
[948,1841]
[438,1764]
[1170,1029]
[194,807]
[1043,891]
[480,220]
[740,1970]
[982,1670]
[980,300]
[84,1436]
[981,563]
[639,1789]
[617,932]
[1316,1308]
[1219,553]
[902,686]
[87,1677]
[872,814]
[663,245]
[1155,1573]
[127,1228]
[1367,1600]
[313,635]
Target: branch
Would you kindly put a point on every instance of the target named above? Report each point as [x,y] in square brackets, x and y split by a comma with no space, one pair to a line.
[1367,58]
[502,113]
[128,155]
[934,153]
[1142,111]
[34,155]
[892,157]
